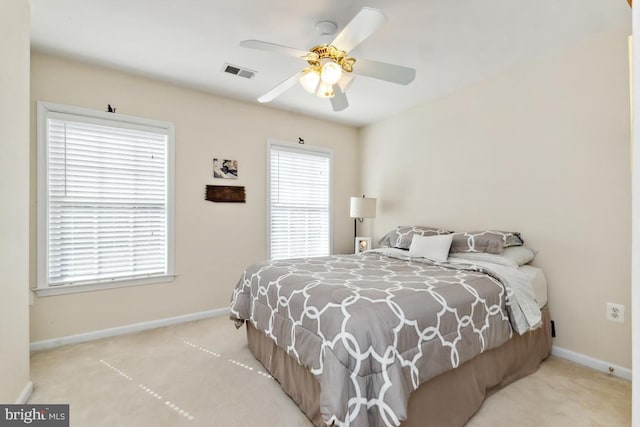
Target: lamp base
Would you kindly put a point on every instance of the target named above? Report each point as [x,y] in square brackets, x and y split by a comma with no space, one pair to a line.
[355,227]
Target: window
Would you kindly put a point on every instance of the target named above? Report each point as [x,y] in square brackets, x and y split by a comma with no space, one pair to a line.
[105,200]
[299,201]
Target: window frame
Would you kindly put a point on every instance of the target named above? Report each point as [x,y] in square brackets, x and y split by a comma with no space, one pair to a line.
[299,148]
[44,110]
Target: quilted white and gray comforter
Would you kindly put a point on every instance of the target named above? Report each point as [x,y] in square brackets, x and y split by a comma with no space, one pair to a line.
[373,327]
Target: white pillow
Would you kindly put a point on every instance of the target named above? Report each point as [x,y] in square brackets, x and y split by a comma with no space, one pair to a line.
[485,257]
[513,256]
[521,255]
[435,248]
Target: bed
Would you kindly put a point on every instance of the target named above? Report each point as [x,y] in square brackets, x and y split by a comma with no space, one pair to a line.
[386,339]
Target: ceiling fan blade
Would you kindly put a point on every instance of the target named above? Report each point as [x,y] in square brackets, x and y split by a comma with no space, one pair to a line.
[280,89]
[345,81]
[365,23]
[383,71]
[272,47]
[339,100]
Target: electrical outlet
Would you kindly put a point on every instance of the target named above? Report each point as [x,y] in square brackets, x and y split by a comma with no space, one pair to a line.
[615,312]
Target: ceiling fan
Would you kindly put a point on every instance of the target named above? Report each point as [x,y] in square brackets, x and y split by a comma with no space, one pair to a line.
[329,68]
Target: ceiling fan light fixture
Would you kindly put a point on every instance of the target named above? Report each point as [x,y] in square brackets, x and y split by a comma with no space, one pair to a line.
[329,69]
[331,73]
[309,79]
[325,90]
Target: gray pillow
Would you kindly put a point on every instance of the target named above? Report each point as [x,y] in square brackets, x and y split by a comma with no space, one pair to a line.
[402,235]
[488,241]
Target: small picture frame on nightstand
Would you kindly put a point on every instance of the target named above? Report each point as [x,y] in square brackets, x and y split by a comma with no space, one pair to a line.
[363,244]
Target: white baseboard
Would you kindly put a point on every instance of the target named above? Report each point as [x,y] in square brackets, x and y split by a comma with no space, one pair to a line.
[121,330]
[590,362]
[26,394]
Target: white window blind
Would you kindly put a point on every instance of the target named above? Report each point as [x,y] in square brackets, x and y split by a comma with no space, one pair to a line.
[299,204]
[108,195]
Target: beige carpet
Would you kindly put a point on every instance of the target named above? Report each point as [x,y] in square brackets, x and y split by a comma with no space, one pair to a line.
[202,374]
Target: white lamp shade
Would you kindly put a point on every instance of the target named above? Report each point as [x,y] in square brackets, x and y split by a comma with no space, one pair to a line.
[362,207]
[331,73]
[325,90]
[309,80]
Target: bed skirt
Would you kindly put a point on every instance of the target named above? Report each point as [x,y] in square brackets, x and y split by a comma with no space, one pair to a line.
[448,400]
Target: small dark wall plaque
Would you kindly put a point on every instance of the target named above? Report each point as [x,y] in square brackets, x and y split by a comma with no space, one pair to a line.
[225,193]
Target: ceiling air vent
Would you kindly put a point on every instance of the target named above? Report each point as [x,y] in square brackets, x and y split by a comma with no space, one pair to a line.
[239,71]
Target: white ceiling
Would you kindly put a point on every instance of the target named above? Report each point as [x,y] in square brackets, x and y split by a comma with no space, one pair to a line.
[450,43]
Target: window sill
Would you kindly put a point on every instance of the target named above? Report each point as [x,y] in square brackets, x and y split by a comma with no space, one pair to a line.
[100,286]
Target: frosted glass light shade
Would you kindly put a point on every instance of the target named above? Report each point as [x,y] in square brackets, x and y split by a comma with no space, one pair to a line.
[325,90]
[331,73]
[309,81]
[362,207]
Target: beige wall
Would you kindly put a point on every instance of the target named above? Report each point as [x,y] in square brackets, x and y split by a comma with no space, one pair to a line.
[213,241]
[542,149]
[635,221]
[14,193]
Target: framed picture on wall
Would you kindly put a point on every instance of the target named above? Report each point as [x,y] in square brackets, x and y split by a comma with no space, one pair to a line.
[223,168]
[363,244]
